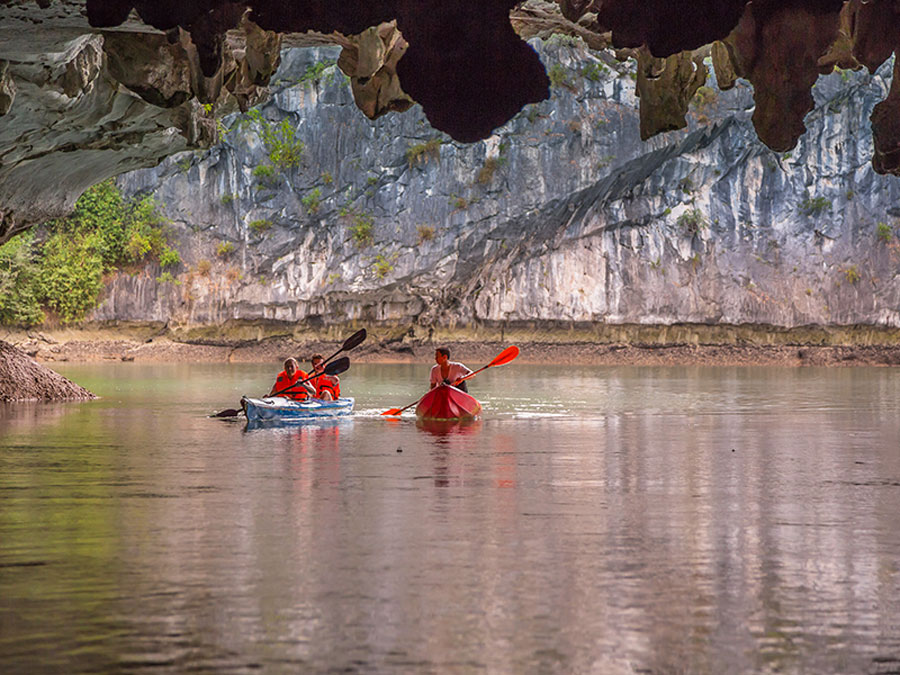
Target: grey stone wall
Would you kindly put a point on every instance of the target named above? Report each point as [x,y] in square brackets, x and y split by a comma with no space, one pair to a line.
[563,215]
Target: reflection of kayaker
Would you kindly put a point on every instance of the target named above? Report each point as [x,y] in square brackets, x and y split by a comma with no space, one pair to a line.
[446,371]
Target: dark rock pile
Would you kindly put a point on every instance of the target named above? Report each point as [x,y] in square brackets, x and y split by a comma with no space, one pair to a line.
[24,379]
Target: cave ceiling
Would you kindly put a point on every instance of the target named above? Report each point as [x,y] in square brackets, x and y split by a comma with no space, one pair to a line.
[466,63]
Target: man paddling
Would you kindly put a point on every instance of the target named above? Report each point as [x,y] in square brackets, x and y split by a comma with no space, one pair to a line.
[328,387]
[446,371]
[287,378]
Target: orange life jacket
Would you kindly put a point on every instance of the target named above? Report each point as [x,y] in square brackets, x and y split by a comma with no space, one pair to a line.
[283,382]
[327,383]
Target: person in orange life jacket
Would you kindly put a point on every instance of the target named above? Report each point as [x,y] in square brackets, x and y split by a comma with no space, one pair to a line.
[446,371]
[289,376]
[328,387]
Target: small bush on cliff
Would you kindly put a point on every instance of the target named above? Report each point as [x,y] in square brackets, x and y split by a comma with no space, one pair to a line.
[284,148]
[362,226]
[851,274]
[692,221]
[312,200]
[422,152]
[884,232]
[425,232]
[813,206]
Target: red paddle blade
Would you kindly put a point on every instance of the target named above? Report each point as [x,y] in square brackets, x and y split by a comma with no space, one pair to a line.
[392,411]
[505,356]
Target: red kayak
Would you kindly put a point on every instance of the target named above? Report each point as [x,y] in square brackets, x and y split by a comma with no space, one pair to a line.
[447,403]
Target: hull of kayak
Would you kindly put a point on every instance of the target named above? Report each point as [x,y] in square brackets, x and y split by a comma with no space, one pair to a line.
[285,410]
[447,403]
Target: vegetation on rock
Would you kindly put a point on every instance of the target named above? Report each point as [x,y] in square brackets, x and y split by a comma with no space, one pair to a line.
[61,268]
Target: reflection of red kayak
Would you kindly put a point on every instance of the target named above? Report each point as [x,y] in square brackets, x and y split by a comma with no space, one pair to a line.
[447,403]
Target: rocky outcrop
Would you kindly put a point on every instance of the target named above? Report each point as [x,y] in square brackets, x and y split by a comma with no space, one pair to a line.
[24,379]
[79,106]
[563,216]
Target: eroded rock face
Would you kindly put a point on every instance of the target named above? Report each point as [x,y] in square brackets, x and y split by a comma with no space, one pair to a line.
[24,379]
[564,214]
[80,106]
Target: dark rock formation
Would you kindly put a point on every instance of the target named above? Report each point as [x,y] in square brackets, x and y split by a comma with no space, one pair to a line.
[24,379]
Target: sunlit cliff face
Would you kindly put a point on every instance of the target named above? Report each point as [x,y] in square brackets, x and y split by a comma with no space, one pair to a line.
[90,90]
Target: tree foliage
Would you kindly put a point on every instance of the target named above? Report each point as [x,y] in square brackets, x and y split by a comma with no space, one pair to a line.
[62,268]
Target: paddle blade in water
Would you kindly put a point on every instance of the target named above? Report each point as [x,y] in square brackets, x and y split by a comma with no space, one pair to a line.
[228,412]
[392,411]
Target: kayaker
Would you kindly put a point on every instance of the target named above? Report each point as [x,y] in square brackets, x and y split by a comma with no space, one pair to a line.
[289,376]
[328,387]
[446,371]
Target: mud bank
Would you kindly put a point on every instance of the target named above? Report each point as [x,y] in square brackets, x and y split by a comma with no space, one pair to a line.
[598,345]
[24,379]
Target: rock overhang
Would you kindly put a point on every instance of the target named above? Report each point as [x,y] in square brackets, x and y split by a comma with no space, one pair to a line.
[107,86]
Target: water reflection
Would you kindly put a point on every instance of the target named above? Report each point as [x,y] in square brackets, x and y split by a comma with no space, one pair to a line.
[443,428]
[658,520]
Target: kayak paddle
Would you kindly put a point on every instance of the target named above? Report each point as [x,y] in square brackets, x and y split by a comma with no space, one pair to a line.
[502,358]
[353,341]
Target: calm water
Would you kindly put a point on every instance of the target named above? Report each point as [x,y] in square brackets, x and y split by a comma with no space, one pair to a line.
[597,520]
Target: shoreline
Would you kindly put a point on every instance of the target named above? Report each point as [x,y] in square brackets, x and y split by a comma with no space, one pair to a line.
[49,347]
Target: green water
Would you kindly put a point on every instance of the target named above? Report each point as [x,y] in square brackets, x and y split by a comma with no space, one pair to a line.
[596,520]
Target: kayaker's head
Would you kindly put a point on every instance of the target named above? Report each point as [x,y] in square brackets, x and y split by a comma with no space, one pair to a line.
[441,355]
[291,366]
[318,363]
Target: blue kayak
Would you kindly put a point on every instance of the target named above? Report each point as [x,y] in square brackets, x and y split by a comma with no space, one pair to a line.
[286,410]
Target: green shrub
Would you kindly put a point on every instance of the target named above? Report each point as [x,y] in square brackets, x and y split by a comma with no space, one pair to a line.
[260,225]
[692,221]
[593,71]
[71,275]
[813,206]
[224,249]
[315,72]
[19,305]
[64,271]
[362,227]
[312,200]
[169,257]
[884,231]
[559,77]
[284,148]
[383,265]
[227,199]
[264,172]
[852,274]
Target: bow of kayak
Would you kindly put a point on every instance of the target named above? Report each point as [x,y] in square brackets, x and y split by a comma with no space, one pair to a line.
[447,403]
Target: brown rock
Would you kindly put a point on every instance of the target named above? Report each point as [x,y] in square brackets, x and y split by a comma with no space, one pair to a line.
[24,379]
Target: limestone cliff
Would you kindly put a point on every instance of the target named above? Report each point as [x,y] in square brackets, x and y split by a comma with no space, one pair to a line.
[562,215]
